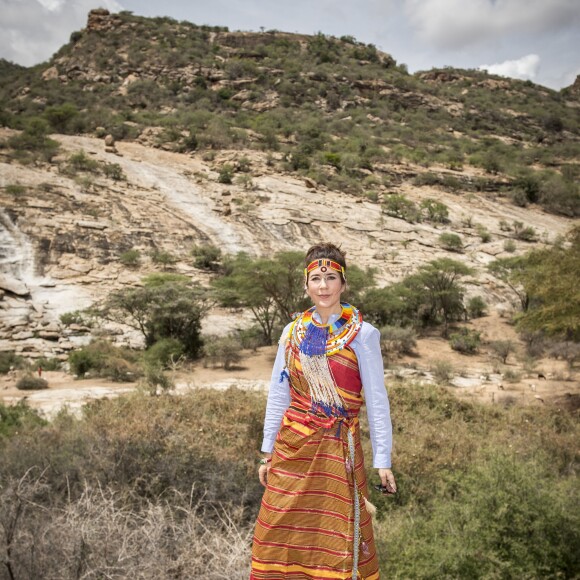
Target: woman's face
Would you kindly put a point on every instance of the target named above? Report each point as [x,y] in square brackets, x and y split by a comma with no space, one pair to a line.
[325,288]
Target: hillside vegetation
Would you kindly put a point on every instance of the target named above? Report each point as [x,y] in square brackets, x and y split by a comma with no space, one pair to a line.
[341,112]
[166,487]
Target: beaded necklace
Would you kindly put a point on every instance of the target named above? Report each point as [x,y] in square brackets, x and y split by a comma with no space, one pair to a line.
[314,338]
[316,342]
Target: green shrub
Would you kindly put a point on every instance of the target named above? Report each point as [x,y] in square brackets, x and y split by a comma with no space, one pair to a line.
[483,233]
[251,338]
[103,359]
[396,341]
[435,211]
[9,361]
[15,418]
[47,364]
[31,383]
[509,246]
[560,196]
[207,257]
[226,174]
[398,206]
[114,171]
[221,350]
[33,142]
[75,317]
[131,258]
[451,242]
[80,161]
[61,117]
[524,233]
[163,258]
[505,516]
[163,353]
[466,341]
[15,189]
[476,307]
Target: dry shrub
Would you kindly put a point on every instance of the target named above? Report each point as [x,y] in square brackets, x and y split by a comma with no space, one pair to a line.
[31,383]
[103,535]
[166,487]
[442,371]
[148,445]
[397,341]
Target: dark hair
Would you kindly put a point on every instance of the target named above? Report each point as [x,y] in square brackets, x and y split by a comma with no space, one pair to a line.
[326,250]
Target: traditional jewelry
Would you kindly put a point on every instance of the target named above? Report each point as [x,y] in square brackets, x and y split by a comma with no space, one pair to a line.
[315,343]
[324,264]
[265,460]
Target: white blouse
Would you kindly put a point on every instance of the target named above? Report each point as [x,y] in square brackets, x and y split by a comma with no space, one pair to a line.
[366,346]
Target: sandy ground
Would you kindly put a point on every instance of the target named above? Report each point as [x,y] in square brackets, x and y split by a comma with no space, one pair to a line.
[66,391]
[548,382]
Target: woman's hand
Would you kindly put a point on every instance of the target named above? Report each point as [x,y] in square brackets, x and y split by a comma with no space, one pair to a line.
[388,480]
[263,470]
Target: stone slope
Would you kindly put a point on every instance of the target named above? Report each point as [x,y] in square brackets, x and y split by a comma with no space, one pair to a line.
[62,235]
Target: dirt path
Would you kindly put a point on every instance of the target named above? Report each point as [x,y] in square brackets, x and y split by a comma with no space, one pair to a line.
[475,377]
[66,391]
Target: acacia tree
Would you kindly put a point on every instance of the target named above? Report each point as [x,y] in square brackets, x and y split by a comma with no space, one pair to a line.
[437,285]
[507,269]
[551,280]
[273,288]
[165,307]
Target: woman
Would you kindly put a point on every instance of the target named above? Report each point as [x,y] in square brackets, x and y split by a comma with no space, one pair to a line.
[315,520]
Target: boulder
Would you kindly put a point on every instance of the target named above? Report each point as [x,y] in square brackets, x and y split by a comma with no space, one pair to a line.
[13,285]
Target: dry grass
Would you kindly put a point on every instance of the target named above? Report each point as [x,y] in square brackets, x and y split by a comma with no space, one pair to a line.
[166,487]
[102,535]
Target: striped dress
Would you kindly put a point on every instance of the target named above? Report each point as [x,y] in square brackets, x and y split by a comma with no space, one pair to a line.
[313,523]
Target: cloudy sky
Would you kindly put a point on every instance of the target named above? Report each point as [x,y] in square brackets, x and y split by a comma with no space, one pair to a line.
[527,39]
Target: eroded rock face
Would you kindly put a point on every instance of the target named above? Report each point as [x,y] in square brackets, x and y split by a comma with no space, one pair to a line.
[75,235]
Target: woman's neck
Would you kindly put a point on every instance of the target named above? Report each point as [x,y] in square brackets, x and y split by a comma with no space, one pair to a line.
[326,313]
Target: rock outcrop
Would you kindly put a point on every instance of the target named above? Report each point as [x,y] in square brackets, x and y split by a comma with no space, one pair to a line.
[170,202]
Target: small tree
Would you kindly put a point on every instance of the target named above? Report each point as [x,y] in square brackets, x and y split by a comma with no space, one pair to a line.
[166,307]
[550,280]
[451,242]
[437,286]
[501,349]
[507,269]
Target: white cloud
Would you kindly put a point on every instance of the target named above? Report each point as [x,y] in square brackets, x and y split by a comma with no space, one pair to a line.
[525,68]
[458,23]
[32,30]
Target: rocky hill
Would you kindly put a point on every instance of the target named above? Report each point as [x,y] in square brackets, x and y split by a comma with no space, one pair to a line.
[171,135]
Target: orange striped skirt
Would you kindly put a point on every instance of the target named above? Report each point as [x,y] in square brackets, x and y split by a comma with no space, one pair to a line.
[306,527]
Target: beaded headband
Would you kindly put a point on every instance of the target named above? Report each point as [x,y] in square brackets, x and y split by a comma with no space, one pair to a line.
[324,264]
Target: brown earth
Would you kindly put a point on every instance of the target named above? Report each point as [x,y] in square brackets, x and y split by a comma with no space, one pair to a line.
[475,377]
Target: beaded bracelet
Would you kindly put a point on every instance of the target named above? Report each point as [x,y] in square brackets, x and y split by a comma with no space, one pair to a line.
[265,460]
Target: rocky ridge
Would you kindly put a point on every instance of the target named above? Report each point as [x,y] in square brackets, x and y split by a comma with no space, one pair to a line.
[76,230]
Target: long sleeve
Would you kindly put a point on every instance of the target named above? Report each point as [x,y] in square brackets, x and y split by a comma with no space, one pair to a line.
[278,398]
[370,362]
